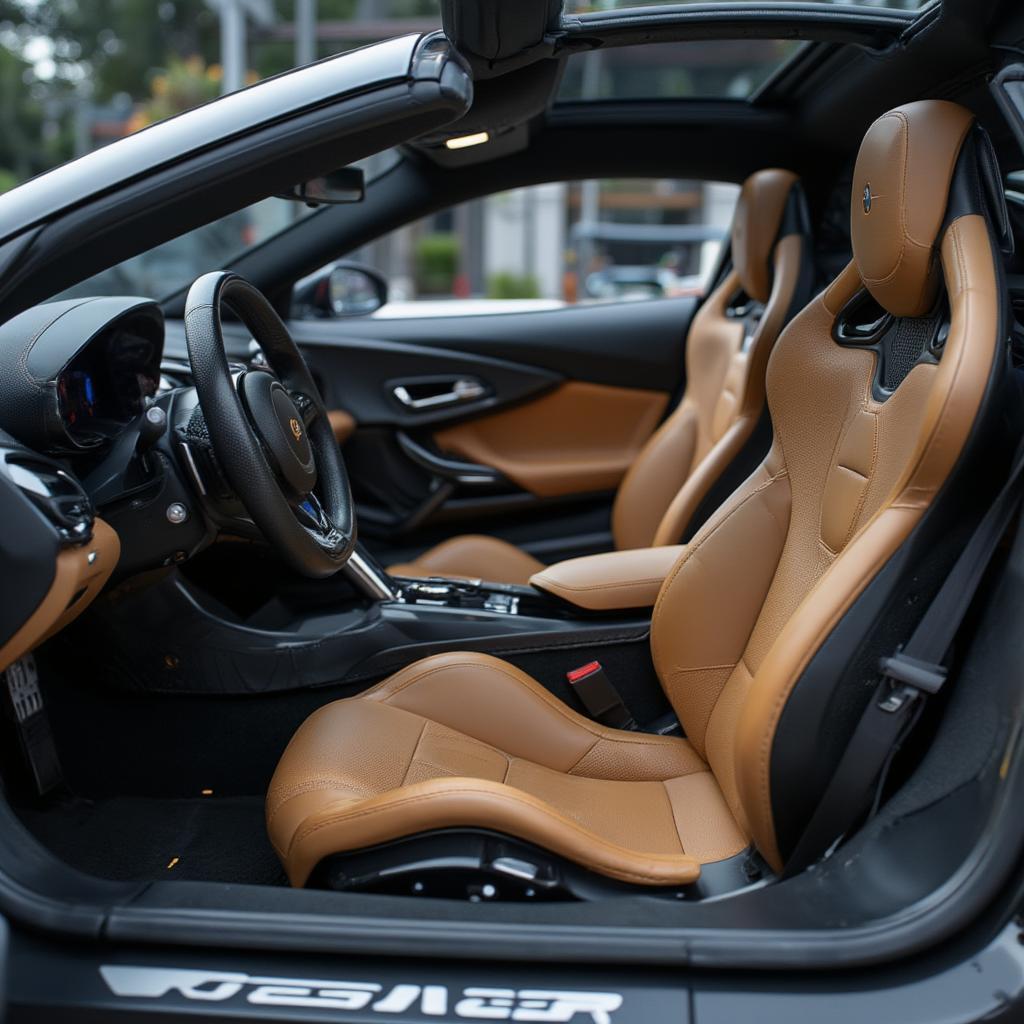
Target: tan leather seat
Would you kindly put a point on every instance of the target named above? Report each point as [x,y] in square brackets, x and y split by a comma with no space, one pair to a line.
[726,356]
[785,598]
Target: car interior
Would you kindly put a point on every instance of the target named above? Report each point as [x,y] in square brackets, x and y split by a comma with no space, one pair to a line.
[546,632]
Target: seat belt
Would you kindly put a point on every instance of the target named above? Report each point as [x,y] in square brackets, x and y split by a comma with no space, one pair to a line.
[908,678]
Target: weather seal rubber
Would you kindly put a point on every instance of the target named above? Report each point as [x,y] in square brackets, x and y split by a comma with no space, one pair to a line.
[876,28]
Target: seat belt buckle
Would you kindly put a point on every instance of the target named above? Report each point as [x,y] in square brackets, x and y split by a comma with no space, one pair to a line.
[922,675]
[599,696]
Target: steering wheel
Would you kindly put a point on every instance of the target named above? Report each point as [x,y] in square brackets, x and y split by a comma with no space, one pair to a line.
[269,430]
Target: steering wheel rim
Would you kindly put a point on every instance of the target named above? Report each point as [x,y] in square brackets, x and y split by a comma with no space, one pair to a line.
[272,442]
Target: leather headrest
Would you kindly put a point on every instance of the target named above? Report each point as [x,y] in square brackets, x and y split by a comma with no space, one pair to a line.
[755,228]
[900,192]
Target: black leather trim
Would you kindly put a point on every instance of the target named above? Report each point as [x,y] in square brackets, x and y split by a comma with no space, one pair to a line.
[236,445]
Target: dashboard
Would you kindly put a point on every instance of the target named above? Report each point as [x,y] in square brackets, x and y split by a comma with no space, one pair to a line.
[79,495]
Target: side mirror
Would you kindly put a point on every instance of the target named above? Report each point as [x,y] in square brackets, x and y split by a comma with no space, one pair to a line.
[341,289]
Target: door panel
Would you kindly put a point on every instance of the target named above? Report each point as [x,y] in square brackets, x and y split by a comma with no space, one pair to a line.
[360,376]
[577,439]
[531,419]
[627,344]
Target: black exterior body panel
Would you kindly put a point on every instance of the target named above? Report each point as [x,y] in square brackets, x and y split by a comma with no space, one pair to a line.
[980,979]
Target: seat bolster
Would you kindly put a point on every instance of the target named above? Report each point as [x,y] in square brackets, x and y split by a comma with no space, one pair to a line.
[497,704]
[657,473]
[788,259]
[472,803]
[473,556]
[681,510]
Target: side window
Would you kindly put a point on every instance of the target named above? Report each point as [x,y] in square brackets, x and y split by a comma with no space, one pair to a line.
[552,245]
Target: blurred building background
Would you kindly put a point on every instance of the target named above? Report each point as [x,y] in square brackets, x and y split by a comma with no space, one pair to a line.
[77,74]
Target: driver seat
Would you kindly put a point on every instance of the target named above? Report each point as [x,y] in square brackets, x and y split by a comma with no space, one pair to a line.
[727,350]
[882,394]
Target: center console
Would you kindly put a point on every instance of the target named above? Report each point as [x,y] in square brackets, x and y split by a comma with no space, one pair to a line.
[233,622]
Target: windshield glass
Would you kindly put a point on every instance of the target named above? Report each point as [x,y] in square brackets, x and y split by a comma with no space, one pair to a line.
[169,267]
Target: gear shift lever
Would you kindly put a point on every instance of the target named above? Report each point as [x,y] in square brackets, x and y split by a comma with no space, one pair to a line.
[369,577]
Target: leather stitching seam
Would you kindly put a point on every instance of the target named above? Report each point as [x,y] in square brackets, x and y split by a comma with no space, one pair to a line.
[550,703]
[543,808]
[614,585]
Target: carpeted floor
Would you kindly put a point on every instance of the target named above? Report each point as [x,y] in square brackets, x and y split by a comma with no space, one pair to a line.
[132,838]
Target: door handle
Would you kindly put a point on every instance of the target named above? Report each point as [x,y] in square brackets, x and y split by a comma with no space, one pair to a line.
[447,469]
[431,393]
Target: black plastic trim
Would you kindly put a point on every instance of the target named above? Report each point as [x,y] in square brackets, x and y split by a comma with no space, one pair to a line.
[874,27]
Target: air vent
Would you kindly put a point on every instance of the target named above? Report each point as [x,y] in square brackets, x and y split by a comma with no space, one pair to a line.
[174,375]
[54,492]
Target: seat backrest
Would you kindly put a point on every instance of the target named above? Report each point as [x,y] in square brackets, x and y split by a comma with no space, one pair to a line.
[767,633]
[727,350]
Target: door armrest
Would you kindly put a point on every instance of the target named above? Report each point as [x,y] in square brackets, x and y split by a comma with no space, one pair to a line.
[616,579]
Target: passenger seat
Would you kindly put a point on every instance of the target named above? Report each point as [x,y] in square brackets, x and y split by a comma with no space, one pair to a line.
[667,491]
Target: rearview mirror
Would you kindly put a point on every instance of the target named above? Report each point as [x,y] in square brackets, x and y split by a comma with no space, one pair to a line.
[342,289]
[345,185]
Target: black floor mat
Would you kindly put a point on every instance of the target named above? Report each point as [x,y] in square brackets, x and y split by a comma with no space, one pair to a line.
[131,838]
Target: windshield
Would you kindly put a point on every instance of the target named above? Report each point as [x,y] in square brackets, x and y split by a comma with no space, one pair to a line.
[167,268]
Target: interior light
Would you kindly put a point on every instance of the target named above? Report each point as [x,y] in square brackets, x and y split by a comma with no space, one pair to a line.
[465,141]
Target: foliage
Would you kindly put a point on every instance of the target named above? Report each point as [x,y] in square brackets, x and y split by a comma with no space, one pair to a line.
[110,47]
[66,63]
[21,118]
[437,262]
[506,285]
[185,84]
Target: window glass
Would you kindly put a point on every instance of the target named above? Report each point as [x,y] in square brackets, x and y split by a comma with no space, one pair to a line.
[709,69]
[556,244]
[165,269]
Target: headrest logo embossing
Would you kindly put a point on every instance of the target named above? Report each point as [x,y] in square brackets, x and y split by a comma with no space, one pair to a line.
[296,428]
[869,197]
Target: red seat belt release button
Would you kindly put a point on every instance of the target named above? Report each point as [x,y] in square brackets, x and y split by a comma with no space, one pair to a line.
[600,698]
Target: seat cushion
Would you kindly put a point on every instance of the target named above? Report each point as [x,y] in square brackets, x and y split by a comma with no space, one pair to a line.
[468,741]
[473,555]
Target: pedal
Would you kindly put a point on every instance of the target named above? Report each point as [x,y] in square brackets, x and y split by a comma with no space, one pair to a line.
[25,706]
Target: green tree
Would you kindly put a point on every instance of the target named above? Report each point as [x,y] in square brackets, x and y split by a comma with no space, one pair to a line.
[115,45]
[160,55]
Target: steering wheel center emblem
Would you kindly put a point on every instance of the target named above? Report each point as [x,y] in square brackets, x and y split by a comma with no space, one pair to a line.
[296,428]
